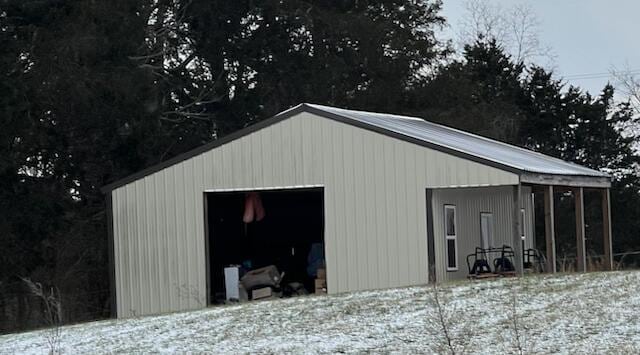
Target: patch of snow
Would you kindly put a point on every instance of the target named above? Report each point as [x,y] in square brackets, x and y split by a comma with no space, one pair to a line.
[584,313]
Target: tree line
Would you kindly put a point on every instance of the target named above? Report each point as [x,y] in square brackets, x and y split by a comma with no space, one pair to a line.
[92,91]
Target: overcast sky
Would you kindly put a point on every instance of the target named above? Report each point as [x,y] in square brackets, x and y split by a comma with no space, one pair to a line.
[586,36]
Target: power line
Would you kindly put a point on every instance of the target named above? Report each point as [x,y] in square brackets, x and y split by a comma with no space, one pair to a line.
[600,75]
[589,78]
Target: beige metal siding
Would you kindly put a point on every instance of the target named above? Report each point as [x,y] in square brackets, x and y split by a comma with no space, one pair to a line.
[470,203]
[375,208]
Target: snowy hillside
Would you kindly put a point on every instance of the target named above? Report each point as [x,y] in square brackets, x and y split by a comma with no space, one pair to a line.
[597,312]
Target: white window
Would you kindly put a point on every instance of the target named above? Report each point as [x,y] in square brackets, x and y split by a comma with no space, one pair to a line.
[486,230]
[451,239]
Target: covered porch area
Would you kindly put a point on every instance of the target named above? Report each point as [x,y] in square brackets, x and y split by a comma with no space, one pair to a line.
[548,224]
[572,222]
[564,219]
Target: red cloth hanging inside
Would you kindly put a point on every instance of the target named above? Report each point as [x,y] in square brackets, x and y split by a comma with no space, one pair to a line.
[253,208]
[248,208]
[259,208]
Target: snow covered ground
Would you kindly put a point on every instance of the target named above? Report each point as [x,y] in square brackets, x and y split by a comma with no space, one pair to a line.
[585,313]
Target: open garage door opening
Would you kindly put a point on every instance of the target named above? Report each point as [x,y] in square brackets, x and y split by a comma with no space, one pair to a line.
[265,243]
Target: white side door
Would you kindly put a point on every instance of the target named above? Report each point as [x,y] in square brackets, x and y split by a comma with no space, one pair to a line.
[486,230]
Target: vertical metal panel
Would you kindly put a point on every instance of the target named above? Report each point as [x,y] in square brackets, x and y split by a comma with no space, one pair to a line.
[392,226]
[117,259]
[188,231]
[200,263]
[110,254]
[369,239]
[411,219]
[118,252]
[421,250]
[148,245]
[375,225]
[141,249]
[361,250]
[351,203]
[402,201]
[380,216]
[163,239]
[158,239]
[330,195]
[175,243]
[128,249]
[132,249]
[341,257]
[399,230]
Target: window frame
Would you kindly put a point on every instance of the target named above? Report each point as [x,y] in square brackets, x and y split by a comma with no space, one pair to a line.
[448,237]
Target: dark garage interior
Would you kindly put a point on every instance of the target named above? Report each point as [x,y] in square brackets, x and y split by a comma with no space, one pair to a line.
[292,224]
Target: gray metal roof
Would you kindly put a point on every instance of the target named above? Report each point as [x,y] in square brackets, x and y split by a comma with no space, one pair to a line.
[464,142]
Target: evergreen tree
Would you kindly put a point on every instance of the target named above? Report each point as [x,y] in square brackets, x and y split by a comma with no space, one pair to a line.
[270,55]
[480,93]
[70,90]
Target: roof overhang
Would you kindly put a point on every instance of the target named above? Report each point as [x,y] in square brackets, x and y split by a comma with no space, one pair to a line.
[566,180]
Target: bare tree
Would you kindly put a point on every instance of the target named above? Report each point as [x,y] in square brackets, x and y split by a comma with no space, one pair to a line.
[525,34]
[521,341]
[443,320]
[440,320]
[516,28]
[515,323]
[482,20]
[52,313]
[628,83]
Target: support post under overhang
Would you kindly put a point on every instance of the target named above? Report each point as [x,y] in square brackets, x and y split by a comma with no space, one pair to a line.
[517,238]
[549,229]
[606,233]
[581,254]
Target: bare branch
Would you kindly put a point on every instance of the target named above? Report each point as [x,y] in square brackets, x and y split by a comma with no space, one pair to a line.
[148,56]
[482,21]
[515,324]
[52,314]
[516,28]
[628,82]
[440,324]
